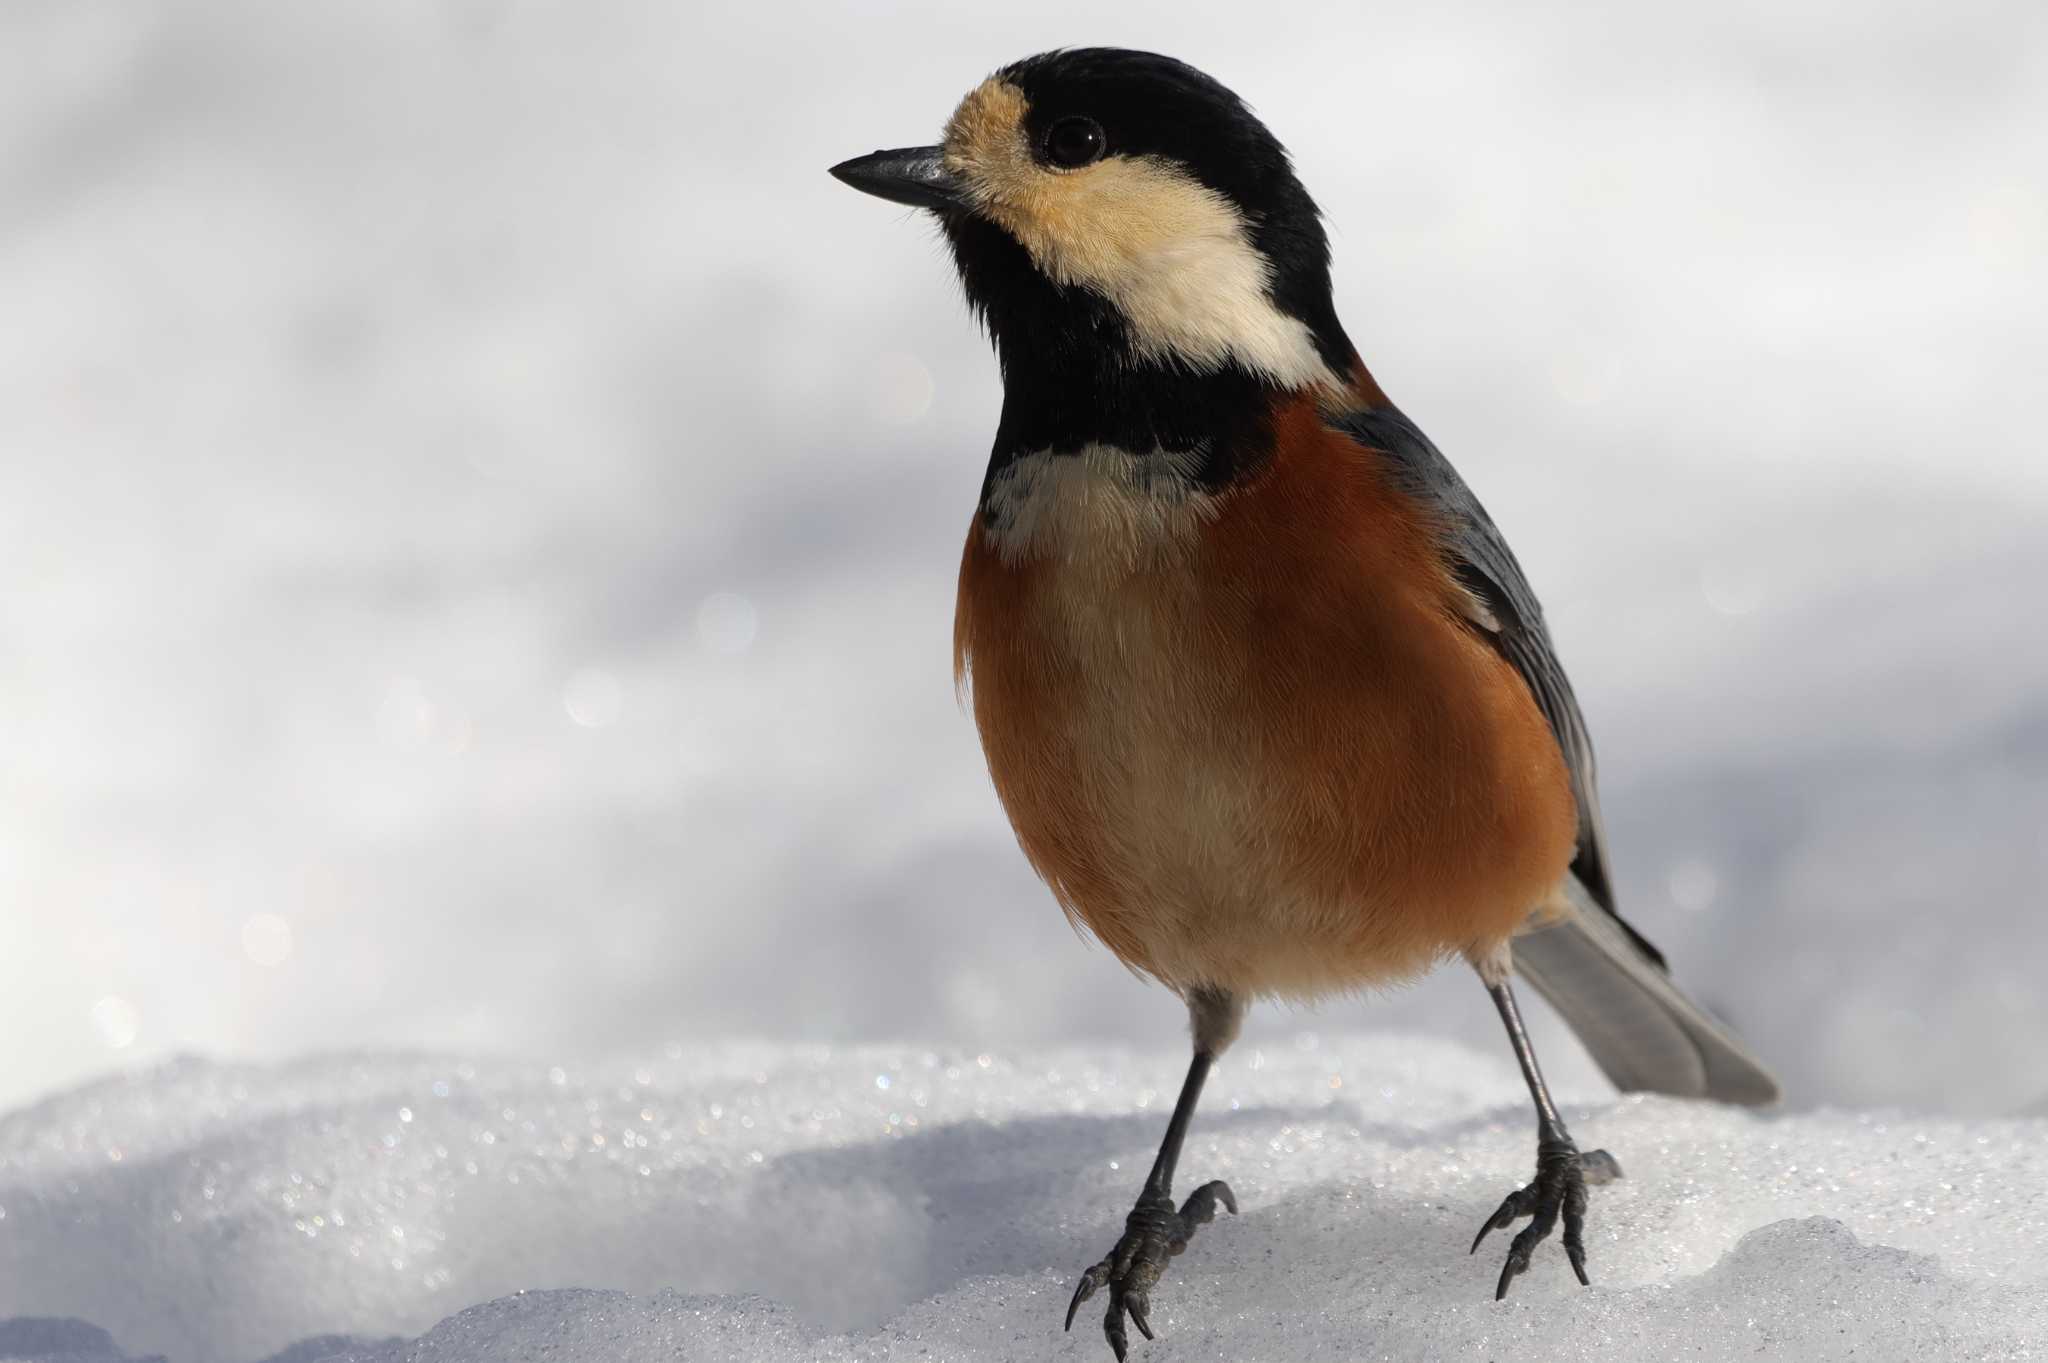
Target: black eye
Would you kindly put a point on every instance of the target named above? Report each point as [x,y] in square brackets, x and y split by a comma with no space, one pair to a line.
[1076,140]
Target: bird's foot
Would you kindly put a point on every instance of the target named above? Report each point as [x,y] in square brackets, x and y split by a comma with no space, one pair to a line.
[1559,1188]
[1153,1233]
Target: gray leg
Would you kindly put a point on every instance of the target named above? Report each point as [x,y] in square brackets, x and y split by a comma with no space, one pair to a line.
[1562,1173]
[1155,1231]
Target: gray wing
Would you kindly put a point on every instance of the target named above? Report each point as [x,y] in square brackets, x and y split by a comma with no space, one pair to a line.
[1601,974]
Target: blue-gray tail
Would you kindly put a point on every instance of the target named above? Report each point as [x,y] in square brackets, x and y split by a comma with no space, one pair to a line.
[1638,1025]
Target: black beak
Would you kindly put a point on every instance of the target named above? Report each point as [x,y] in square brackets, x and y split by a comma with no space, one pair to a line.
[909,175]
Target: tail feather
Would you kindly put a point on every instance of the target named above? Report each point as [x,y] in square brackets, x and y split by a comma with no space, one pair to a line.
[1639,1027]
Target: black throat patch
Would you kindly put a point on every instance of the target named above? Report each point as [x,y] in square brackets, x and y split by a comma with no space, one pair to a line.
[1071,379]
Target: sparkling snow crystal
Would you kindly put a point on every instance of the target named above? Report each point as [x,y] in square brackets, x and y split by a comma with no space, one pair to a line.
[757,1203]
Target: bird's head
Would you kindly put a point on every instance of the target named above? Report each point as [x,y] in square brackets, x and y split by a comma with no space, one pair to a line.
[1115,214]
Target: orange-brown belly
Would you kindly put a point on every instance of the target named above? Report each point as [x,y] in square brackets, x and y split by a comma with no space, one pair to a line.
[1247,742]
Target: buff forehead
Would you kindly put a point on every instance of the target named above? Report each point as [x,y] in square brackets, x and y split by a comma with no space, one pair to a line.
[985,136]
[1078,224]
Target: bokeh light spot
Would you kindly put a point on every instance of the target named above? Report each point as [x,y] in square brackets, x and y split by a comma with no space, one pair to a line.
[727,623]
[267,939]
[117,1021]
[899,389]
[406,716]
[593,698]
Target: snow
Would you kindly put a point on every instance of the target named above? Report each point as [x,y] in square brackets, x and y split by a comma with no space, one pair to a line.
[479,509]
[768,1202]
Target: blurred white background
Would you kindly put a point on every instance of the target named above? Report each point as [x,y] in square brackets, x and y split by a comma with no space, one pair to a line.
[478,510]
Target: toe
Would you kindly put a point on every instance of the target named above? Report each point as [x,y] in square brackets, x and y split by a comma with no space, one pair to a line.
[1509,1209]
[1575,1229]
[1113,1323]
[1597,1167]
[1140,1307]
[1200,1208]
[1520,1251]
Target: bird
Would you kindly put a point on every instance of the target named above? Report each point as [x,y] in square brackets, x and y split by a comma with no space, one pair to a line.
[1269,702]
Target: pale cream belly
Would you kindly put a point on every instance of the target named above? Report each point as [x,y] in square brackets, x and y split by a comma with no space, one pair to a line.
[1181,816]
[1185,837]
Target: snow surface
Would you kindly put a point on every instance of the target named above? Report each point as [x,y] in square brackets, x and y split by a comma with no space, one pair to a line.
[768,1202]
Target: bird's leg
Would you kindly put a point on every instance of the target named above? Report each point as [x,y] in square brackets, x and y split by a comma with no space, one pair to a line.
[1562,1172]
[1156,1231]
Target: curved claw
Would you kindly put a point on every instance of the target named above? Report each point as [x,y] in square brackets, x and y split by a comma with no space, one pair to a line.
[1510,1210]
[1091,1281]
[1508,1271]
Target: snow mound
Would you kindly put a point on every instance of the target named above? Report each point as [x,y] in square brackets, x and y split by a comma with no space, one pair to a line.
[1803,1289]
[768,1203]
